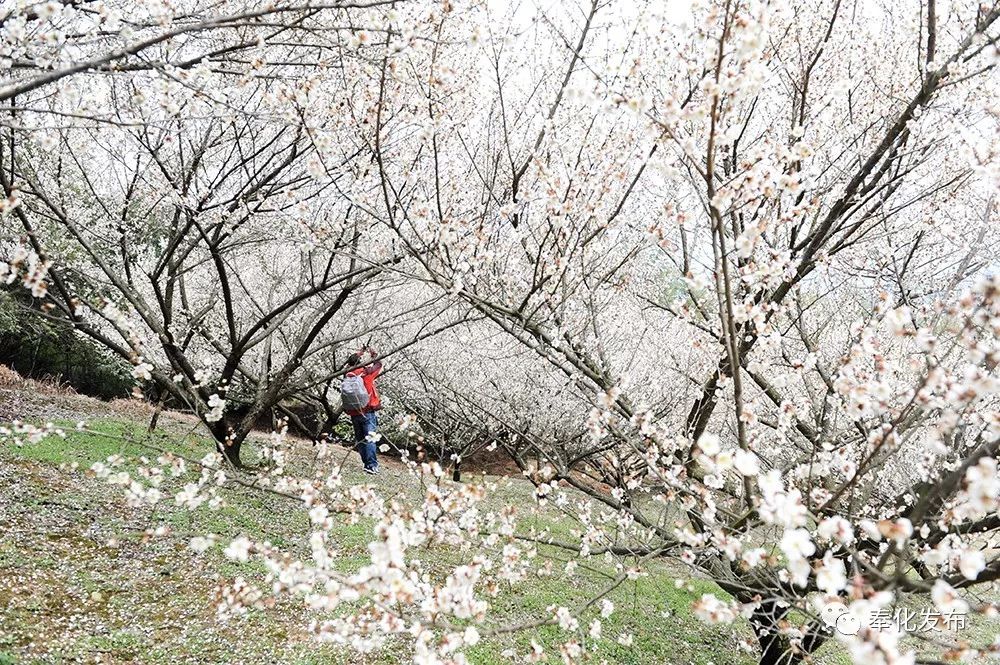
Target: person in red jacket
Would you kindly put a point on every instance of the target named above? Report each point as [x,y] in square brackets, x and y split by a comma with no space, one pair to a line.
[365,421]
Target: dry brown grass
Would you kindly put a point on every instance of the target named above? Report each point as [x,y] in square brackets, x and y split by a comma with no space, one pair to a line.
[131,408]
[10,379]
[34,400]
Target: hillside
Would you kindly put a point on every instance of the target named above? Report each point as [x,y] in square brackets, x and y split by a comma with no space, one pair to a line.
[83,580]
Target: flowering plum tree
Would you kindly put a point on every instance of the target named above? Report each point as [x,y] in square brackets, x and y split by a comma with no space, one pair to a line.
[744,209]
[719,279]
[181,223]
[452,413]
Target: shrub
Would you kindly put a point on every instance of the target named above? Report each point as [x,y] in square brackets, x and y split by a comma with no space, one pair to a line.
[41,348]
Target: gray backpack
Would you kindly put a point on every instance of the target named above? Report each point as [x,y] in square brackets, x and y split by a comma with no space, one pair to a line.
[353,394]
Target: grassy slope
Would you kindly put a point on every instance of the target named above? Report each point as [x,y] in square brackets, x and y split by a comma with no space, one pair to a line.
[79,582]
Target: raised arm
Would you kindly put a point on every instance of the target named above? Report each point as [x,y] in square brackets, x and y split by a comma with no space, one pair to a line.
[375,368]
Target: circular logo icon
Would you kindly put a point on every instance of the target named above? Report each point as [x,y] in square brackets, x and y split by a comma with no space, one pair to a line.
[832,612]
[848,624]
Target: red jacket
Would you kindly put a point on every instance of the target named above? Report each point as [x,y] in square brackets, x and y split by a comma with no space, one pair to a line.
[368,374]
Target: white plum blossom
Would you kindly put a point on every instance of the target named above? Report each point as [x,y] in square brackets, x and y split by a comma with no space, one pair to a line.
[710,609]
[971,563]
[142,370]
[831,577]
[216,406]
[747,463]
[836,529]
[709,445]
[201,543]
[947,599]
[797,544]
[239,549]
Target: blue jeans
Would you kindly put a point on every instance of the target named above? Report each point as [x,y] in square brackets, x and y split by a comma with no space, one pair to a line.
[365,424]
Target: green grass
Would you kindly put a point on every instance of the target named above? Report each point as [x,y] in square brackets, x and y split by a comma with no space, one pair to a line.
[121,643]
[654,611]
[85,448]
[168,590]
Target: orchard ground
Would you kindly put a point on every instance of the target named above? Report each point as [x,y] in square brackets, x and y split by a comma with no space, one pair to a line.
[82,581]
